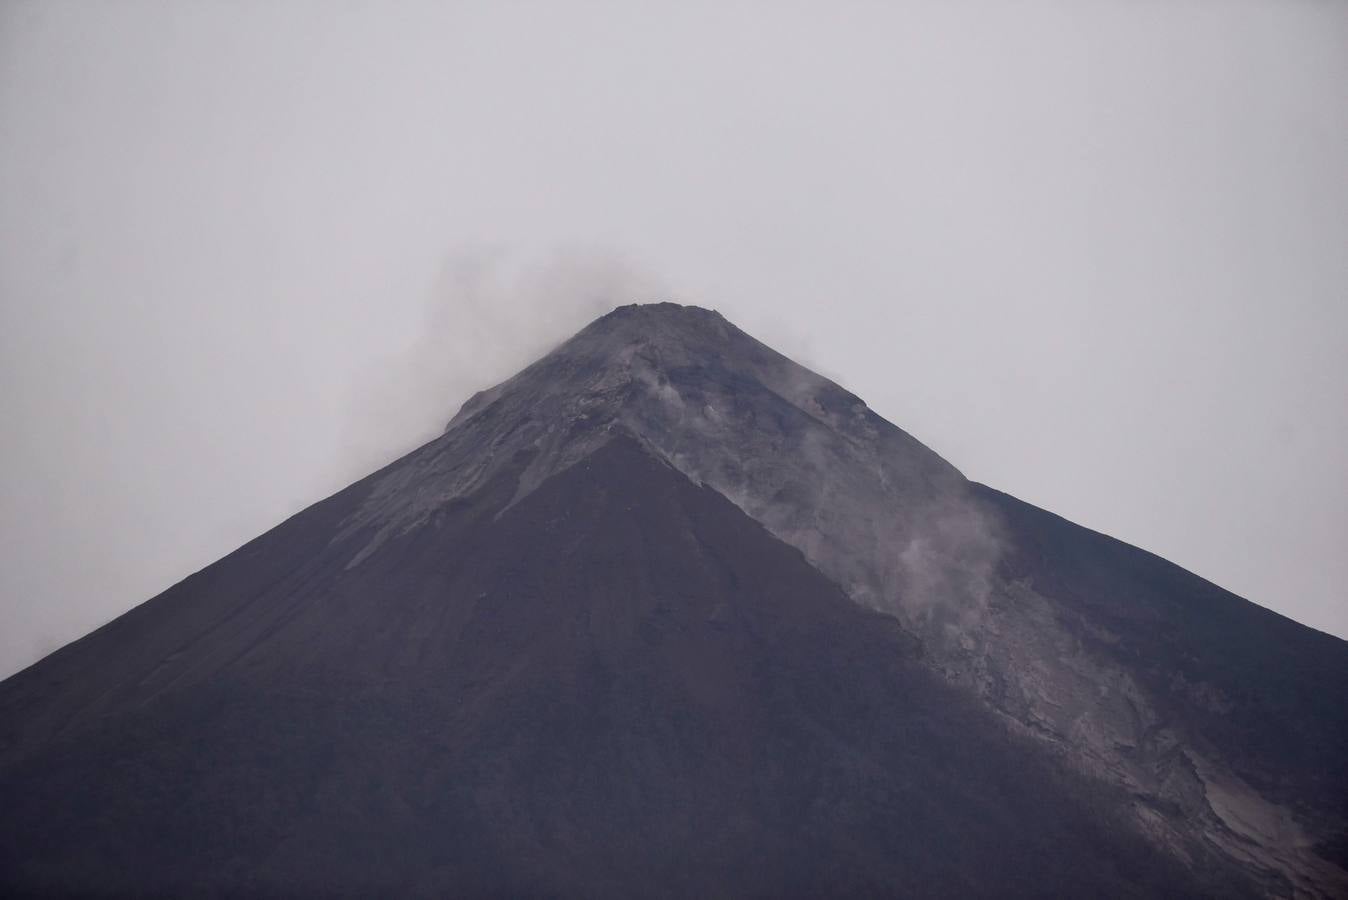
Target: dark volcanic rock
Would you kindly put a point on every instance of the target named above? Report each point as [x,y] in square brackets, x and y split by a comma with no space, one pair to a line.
[622,686]
[1255,698]
[668,615]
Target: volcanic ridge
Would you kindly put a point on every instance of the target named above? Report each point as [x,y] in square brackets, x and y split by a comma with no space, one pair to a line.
[666,614]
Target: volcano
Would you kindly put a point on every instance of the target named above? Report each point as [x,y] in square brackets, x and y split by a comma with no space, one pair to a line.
[668,615]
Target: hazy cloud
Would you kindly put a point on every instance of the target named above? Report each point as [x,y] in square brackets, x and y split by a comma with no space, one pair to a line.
[1090,251]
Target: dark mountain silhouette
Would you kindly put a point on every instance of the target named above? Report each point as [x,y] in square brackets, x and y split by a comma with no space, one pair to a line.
[668,615]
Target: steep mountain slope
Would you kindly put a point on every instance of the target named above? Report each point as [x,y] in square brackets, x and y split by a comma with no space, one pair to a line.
[902,531]
[544,654]
[621,686]
[1249,701]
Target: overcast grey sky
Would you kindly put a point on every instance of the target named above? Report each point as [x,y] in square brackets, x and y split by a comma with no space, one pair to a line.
[1091,252]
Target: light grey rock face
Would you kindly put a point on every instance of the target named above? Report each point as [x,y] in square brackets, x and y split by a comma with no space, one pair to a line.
[896,526]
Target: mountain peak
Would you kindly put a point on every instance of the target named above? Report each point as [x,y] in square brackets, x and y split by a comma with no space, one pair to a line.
[661,309]
[608,607]
[681,333]
[886,519]
[786,445]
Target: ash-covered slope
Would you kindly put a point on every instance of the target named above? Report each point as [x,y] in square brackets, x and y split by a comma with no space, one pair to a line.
[534,656]
[1220,718]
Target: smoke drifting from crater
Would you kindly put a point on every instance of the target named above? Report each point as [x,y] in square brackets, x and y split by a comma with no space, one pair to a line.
[492,311]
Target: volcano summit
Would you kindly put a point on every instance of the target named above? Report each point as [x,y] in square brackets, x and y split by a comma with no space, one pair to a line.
[668,615]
